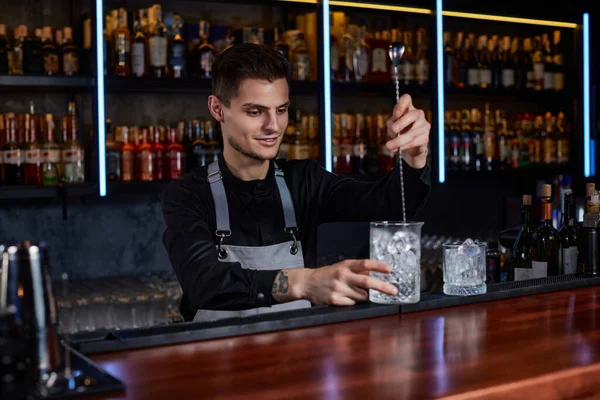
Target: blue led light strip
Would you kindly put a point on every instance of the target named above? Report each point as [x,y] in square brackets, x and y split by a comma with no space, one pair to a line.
[100,97]
[587,170]
[439,30]
[327,85]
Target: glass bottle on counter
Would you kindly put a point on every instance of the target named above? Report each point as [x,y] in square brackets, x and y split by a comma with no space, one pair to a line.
[568,234]
[145,156]
[159,152]
[32,164]
[51,167]
[128,151]
[72,154]
[4,51]
[113,154]
[138,47]
[546,247]
[177,49]
[205,53]
[12,154]
[175,156]
[70,54]
[121,46]
[522,247]
[157,44]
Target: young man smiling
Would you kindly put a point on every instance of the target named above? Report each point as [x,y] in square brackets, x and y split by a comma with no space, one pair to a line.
[241,233]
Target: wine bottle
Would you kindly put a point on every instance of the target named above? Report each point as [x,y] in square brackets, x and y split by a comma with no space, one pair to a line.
[568,235]
[546,249]
[522,246]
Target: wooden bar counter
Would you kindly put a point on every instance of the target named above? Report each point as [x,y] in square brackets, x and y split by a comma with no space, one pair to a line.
[543,346]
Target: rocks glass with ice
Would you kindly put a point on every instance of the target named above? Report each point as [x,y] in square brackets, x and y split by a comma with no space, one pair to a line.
[397,244]
[464,268]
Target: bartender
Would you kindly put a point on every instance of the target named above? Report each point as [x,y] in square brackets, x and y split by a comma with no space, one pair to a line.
[241,232]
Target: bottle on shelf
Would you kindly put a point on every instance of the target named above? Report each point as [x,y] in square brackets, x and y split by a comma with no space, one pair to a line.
[72,153]
[157,43]
[159,153]
[145,158]
[50,52]
[128,151]
[122,46]
[408,66]
[175,156]
[139,48]
[32,164]
[557,57]
[387,159]
[51,163]
[281,46]
[177,49]
[546,247]
[522,248]
[33,59]
[205,53]
[12,154]
[301,60]
[421,59]
[16,66]
[70,54]
[360,158]
[113,154]
[568,235]
[5,52]
[360,57]
[198,155]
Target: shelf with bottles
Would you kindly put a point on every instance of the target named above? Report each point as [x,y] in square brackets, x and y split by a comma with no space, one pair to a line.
[517,146]
[45,57]
[35,163]
[203,86]
[524,62]
[359,54]
[157,47]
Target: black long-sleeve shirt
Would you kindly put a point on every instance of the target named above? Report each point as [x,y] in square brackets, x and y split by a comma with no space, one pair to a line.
[256,219]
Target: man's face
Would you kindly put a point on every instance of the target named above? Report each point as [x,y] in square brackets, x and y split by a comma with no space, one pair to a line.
[257,118]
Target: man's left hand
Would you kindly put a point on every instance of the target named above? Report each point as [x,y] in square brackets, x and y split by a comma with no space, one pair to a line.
[409,131]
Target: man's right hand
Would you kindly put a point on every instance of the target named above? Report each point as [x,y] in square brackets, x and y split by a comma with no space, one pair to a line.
[341,284]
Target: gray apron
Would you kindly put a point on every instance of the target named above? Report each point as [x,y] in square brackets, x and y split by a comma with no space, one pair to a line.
[285,255]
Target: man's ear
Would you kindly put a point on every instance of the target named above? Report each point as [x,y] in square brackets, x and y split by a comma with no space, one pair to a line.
[216,108]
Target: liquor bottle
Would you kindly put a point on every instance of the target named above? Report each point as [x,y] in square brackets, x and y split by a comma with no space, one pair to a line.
[568,235]
[157,44]
[4,50]
[548,63]
[387,159]
[360,158]
[477,141]
[528,60]
[177,49]
[557,56]
[113,154]
[549,143]
[454,141]
[50,52]
[492,265]
[335,142]
[159,153]
[381,64]
[51,167]
[175,156]
[408,67]
[12,154]
[281,46]
[421,60]
[347,68]
[546,247]
[372,144]
[139,49]
[301,60]
[32,164]
[562,142]
[300,147]
[521,63]
[108,44]
[145,158]
[360,57]
[537,58]
[121,46]
[509,62]
[497,60]
[503,141]
[70,54]
[473,74]
[213,148]
[485,67]
[33,59]
[85,59]
[449,67]
[72,154]
[197,157]
[17,59]
[346,145]
[523,244]
[489,140]
[466,148]
[128,151]
[205,53]
[461,58]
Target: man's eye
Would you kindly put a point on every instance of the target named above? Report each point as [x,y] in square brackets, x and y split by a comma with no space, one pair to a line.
[253,113]
[282,110]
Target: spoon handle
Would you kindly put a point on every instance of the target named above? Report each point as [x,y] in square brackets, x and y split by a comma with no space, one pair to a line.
[396,76]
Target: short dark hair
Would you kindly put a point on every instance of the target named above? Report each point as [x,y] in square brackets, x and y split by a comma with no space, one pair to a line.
[246,61]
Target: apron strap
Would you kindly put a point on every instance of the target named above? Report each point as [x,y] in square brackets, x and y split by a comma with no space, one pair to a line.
[215,179]
[289,214]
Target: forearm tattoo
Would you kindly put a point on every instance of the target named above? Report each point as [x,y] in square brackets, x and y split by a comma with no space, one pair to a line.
[281,284]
